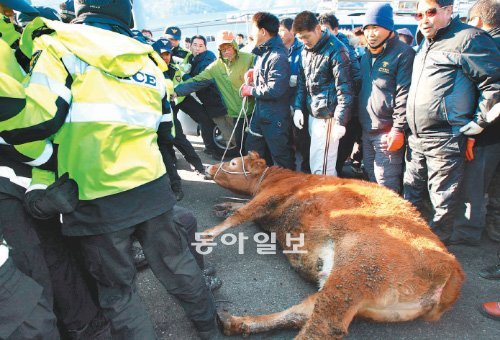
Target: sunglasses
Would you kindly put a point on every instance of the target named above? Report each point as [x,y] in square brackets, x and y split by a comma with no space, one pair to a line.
[431,12]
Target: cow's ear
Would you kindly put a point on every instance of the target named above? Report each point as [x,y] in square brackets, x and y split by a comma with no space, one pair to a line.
[258,165]
[253,155]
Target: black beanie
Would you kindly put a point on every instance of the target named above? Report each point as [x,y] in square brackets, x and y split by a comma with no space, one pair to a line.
[120,10]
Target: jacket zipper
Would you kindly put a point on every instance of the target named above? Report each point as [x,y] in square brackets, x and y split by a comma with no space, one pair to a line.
[418,83]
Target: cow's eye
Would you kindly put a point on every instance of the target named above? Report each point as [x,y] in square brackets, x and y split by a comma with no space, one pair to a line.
[233,163]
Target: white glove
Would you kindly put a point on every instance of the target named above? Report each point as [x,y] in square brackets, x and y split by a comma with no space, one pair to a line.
[338,130]
[493,114]
[186,68]
[298,119]
[471,129]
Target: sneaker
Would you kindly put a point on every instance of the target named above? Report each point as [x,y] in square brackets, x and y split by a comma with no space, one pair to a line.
[491,272]
[99,328]
[213,283]
[140,261]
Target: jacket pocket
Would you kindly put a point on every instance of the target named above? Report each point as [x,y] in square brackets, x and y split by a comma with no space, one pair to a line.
[322,104]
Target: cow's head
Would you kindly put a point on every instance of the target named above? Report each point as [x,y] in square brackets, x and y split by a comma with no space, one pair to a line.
[240,175]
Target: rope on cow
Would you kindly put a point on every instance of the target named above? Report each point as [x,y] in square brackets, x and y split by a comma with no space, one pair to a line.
[244,112]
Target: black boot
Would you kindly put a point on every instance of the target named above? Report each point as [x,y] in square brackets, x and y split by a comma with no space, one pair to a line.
[213,282]
[98,328]
[140,261]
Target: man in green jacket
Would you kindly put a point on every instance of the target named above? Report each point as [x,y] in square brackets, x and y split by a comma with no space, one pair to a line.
[228,73]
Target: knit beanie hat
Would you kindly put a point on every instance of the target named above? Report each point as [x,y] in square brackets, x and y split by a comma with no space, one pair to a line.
[379,15]
[120,10]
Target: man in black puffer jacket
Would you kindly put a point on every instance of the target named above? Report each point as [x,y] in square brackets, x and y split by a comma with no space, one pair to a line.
[353,129]
[326,86]
[455,82]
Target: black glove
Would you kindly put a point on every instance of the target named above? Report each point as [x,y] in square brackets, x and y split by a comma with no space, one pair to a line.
[61,197]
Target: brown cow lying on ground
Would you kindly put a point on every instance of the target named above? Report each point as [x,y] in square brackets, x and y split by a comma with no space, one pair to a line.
[368,249]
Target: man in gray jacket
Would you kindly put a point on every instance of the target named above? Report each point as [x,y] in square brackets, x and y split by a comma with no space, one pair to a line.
[455,82]
[386,76]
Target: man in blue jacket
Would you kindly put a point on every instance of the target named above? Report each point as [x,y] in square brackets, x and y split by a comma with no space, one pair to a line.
[386,76]
[301,137]
[269,84]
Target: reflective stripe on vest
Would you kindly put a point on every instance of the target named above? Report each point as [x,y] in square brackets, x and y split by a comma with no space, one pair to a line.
[44,157]
[37,187]
[58,88]
[168,117]
[91,112]
[47,152]
[8,173]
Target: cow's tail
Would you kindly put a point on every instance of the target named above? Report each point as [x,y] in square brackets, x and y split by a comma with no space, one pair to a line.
[450,293]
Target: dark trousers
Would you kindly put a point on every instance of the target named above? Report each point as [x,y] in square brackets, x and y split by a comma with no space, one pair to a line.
[42,253]
[435,166]
[187,224]
[346,143]
[109,260]
[470,221]
[184,146]
[19,231]
[25,312]
[275,140]
[197,112]
[165,146]
[302,142]
[73,302]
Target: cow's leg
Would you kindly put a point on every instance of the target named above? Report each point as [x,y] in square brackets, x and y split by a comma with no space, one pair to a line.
[225,209]
[293,317]
[251,211]
[449,294]
[338,302]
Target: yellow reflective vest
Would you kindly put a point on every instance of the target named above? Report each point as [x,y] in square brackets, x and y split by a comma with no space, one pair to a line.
[13,102]
[100,95]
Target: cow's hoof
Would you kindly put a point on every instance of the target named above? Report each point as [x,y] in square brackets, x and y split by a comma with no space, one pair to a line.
[230,326]
[224,322]
[222,210]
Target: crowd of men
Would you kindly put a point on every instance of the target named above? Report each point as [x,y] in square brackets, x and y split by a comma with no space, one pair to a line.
[88,126]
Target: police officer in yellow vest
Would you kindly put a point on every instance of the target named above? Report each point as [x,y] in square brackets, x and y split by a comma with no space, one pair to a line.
[100,94]
[38,247]
[26,301]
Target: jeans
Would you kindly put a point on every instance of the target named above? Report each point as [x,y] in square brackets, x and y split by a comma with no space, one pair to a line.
[382,166]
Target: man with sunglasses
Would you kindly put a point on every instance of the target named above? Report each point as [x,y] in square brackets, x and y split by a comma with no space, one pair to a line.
[455,82]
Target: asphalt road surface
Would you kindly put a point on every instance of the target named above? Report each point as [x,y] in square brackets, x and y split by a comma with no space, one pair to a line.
[261,284]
